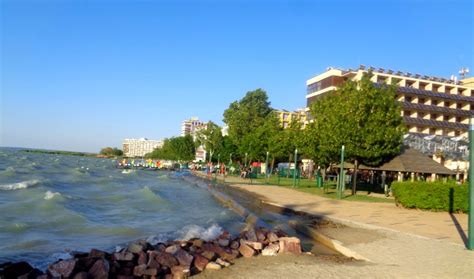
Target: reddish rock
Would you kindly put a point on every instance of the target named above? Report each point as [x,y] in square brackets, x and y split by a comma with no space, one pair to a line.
[250,235]
[94,253]
[208,255]
[135,248]
[172,249]
[123,256]
[150,272]
[62,268]
[222,263]
[100,269]
[246,250]
[126,271]
[254,245]
[32,274]
[213,266]
[290,245]
[198,242]
[166,259]
[200,262]
[160,247]
[184,258]
[223,242]
[234,244]
[14,270]
[180,272]
[81,275]
[139,270]
[260,235]
[142,258]
[272,237]
[271,250]
[152,263]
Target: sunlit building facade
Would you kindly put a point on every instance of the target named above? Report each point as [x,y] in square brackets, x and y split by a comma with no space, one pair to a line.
[430,105]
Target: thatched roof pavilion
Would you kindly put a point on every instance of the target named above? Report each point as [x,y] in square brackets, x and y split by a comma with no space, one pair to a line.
[410,160]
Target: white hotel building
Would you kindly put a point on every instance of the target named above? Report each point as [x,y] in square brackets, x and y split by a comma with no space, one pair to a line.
[139,147]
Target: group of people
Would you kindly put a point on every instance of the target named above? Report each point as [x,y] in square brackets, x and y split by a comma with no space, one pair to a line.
[144,163]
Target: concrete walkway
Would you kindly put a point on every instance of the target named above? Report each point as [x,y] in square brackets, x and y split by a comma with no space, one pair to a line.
[402,243]
[436,225]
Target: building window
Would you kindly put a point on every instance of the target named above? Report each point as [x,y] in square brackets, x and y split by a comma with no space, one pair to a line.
[421,114]
[458,119]
[432,131]
[447,104]
[421,101]
[408,99]
[285,116]
[457,133]
[471,106]
[458,105]
[434,102]
[406,113]
[445,117]
[419,129]
[434,116]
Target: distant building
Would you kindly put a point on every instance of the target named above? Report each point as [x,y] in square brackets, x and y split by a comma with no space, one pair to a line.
[139,147]
[430,105]
[287,117]
[192,126]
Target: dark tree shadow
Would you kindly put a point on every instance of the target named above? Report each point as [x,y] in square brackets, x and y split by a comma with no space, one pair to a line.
[453,217]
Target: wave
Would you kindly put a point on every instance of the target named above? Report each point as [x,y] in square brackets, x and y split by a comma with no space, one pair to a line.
[195,231]
[10,171]
[20,185]
[186,233]
[51,195]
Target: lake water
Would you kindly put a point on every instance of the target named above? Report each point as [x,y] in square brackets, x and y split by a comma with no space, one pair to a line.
[53,204]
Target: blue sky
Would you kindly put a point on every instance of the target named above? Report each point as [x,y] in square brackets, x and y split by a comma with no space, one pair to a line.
[81,75]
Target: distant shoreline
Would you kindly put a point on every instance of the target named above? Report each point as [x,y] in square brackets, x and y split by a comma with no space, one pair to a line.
[58,152]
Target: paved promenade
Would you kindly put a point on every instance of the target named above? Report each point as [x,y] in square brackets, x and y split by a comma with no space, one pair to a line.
[437,225]
[401,243]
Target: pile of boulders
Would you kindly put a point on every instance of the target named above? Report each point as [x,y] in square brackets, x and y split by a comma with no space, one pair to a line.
[175,259]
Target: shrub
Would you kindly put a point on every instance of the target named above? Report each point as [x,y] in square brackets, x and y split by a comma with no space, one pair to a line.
[436,196]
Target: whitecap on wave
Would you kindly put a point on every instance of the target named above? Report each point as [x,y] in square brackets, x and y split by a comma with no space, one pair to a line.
[20,185]
[51,195]
[186,233]
[195,231]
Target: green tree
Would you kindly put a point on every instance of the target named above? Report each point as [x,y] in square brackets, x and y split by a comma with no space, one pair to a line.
[247,119]
[211,138]
[362,116]
[109,151]
[176,149]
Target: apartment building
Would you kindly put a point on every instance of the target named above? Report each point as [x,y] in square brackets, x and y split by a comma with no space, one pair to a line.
[287,117]
[139,147]
[430,105]
[192,126]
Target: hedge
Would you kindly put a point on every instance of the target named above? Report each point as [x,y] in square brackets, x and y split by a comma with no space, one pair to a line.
[436,196]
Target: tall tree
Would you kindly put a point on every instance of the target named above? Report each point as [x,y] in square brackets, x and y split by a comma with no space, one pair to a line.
[176,148]
[362,116]
[245,119]
[211,138]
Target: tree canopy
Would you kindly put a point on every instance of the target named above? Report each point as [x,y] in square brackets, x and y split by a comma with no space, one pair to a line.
[250,121]
[109,151]
[176,148]
[362,116]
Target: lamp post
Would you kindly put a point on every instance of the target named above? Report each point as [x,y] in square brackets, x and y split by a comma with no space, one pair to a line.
[266,168]
[294,171]
[341,175]
[245,164]
[230,159]
[470,226]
